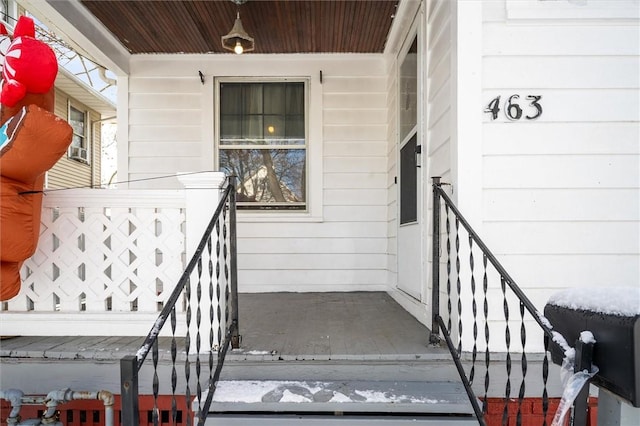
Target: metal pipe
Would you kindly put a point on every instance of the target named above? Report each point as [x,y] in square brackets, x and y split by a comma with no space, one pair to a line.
[14,396]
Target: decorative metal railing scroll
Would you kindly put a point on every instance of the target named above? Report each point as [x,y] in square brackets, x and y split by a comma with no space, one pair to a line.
[208,290]
[484,316]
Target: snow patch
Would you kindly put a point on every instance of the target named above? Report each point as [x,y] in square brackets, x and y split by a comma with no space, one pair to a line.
[288,396]
[587,337]
[618,301]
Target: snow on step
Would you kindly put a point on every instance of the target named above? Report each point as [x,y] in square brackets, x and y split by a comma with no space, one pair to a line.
[342,396]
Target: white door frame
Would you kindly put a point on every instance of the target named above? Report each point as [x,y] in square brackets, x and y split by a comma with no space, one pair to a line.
[416,31]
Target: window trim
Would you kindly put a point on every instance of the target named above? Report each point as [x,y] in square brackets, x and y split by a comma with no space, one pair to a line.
[87,134]
[313,147]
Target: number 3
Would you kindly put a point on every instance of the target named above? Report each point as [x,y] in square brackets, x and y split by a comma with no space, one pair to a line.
[534,103]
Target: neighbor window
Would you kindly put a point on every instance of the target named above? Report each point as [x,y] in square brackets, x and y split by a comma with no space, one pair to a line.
[263,141]
[78,150]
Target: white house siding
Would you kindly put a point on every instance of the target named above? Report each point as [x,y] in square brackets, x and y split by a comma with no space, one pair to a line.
[66,172]
[560,200]
[342,244]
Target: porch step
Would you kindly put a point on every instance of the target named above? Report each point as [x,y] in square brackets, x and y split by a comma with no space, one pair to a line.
[337,402]
[314,420]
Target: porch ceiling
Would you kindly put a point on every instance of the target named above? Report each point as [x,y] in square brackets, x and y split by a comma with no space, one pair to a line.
[278,26]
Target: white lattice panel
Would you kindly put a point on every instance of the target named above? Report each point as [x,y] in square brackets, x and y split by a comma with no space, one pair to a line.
[102,251]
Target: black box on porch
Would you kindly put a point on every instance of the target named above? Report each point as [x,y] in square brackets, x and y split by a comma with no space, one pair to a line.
[616,352]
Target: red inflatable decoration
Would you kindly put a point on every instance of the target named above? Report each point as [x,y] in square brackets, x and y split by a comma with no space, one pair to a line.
[32,140]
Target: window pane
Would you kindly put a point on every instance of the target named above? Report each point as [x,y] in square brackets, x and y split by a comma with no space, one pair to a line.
[230,98]
[274,98]
[267,175]
[252,127]
[408,182]
[76,120]
[295,98]
[231,127]
[295,127]
[274,127]
[408,99]
[77,141]
[252,98]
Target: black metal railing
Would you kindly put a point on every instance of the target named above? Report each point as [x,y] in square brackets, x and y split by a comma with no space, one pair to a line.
[217,249]
[469,323]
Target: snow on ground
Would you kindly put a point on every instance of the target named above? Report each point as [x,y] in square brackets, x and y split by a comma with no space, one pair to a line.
[248,391]
[619,301]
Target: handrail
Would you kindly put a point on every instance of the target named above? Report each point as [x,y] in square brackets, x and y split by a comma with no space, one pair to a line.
[131,365]
[439,326]
[537,315]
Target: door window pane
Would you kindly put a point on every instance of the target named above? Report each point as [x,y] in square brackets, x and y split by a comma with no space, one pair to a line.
[408,99]
[408,182]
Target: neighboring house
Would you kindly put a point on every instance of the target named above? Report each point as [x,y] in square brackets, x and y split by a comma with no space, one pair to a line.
[529,109]
[86,110]
[83,107]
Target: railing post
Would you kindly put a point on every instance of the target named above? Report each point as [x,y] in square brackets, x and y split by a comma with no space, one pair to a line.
[129,390]
[434,338]
[202,197]
[233,262]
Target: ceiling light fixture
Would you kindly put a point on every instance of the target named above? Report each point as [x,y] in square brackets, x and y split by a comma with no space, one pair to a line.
[238,40]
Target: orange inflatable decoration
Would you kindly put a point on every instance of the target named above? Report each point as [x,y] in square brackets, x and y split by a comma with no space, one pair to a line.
[32,140]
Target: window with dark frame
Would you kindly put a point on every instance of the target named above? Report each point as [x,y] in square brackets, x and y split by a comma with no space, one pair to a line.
[78,150]
[263,141]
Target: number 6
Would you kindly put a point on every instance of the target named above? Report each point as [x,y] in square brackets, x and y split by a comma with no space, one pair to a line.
[513,111]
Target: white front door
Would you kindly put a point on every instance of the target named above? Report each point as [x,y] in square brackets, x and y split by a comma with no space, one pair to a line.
[410,228]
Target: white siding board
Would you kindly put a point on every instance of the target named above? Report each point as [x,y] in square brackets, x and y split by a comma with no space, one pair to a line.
[512,205]
[564,237]
[375,213]
[554,271]
[562,171]
[306,261]
[354,84]
[561,138]
[355,132]
[561,40]
[167,85]
[354,116]
[312,245]
[351,197]
[166,165]
[164,132]
[347,100]
[171,101]
[355,165]
[439,132]
[150,117]
[312,279]
[176,148]
[355,180]
[346,229]
[568,72]
[376,148]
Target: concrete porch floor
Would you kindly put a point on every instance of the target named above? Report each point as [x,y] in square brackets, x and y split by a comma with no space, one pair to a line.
[284,335]
[278,326]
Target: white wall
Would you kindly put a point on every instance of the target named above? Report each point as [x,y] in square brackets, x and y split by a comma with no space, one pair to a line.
[341,245]
[560,200]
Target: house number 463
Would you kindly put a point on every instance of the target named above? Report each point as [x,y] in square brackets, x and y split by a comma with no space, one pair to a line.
[513,110]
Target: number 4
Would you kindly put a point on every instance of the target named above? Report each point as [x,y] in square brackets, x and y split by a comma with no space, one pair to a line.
[494,107]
